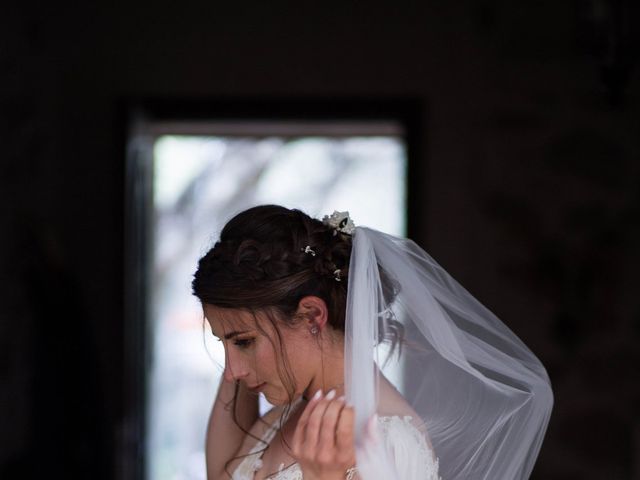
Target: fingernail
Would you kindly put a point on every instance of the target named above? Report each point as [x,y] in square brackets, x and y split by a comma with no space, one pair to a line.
[330,395]
[317,395]
[341,398]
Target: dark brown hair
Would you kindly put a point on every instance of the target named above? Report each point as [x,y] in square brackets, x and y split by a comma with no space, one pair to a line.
[267,259]
[260,263]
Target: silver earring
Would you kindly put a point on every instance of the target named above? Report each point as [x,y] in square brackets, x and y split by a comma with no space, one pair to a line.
[314,330]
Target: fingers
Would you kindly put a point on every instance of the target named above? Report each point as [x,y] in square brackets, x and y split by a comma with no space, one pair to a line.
[300,432]
[345,430]
[320,426]
[329,422]
[323,442]
[315,424]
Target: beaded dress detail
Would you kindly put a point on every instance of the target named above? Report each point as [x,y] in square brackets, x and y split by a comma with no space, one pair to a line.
[414,459]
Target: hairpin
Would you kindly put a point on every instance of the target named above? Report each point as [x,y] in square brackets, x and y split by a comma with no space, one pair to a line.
[308,249]
[340,222]
[337,276]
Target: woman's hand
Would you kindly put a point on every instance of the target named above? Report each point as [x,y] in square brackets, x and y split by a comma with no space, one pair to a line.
[323,439]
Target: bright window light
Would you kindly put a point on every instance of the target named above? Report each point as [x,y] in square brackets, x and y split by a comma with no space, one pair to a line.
[200,182]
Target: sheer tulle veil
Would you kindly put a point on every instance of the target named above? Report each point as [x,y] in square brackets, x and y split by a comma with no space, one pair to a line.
[418,344]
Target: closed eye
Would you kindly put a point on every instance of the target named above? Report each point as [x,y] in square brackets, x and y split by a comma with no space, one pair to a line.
[243,342]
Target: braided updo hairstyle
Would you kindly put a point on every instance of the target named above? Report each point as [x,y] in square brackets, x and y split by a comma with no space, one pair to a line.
[260,263]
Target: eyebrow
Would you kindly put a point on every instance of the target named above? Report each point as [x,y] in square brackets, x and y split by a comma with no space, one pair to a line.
[232,334]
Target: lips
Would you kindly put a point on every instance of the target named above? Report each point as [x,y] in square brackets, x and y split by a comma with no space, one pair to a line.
[258,387]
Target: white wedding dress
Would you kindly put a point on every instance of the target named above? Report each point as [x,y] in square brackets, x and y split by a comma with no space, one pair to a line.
[412,456]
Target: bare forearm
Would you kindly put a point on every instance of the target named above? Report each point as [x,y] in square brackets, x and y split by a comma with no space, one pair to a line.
[224,436]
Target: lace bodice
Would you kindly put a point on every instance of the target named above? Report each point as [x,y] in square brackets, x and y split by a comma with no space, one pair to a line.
[413,457]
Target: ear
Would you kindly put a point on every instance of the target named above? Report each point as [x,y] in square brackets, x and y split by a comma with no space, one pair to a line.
[314,310]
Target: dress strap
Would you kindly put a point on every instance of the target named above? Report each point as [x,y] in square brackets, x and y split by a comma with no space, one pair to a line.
[273,428]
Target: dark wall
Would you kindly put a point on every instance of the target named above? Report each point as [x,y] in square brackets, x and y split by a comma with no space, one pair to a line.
[531,189]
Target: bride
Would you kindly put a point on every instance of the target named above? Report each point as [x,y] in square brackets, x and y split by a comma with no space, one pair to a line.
[377,363]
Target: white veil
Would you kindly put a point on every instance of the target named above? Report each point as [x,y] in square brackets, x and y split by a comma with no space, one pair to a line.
[476,392]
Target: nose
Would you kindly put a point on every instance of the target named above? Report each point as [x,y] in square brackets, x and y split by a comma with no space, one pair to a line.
[234,368]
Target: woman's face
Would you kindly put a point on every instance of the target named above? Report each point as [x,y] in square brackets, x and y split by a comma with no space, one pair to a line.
[253,353]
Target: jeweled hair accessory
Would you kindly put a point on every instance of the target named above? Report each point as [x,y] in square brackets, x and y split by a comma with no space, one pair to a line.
[340,222]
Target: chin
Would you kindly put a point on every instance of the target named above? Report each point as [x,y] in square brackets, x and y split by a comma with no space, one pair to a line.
[280,400]
[275,401]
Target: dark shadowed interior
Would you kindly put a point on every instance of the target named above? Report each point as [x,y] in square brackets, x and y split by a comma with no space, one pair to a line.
[526,187]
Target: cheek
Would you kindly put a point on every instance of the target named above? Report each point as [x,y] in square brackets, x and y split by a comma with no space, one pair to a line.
[302,359]
[269,363]
[265,360]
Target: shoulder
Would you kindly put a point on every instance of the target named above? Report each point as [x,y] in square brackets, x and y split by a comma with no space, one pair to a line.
[408,446]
